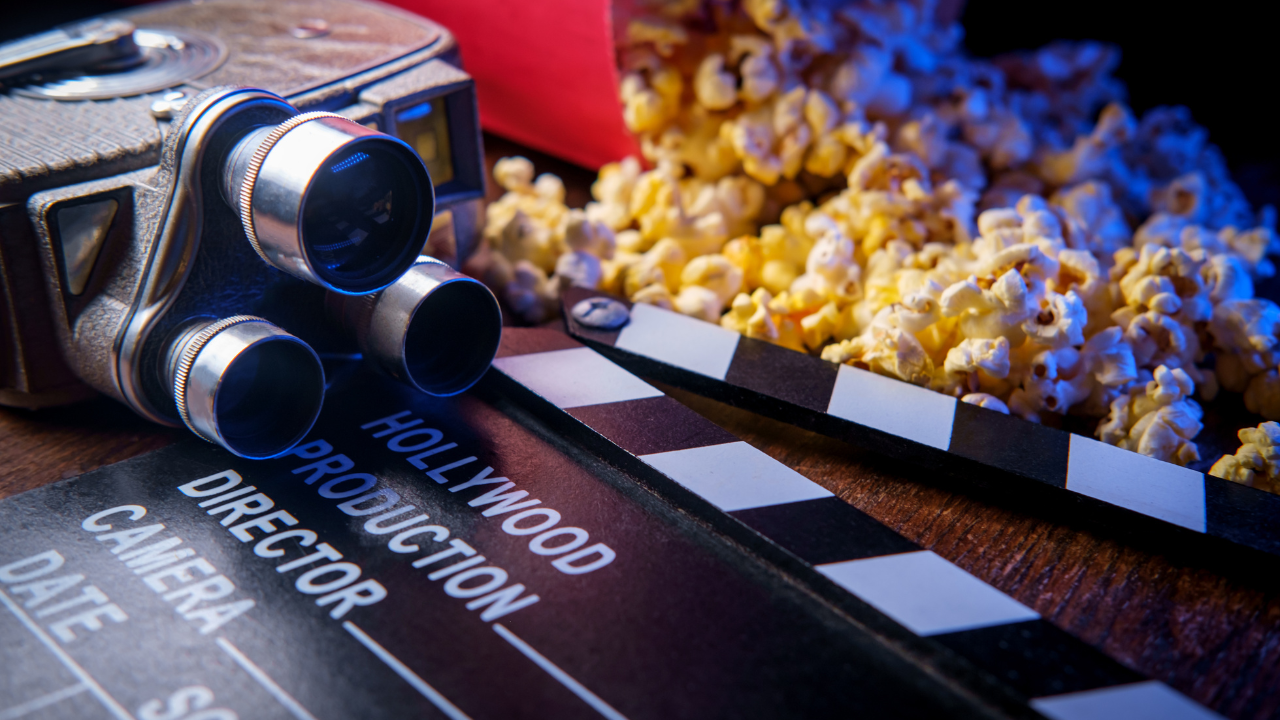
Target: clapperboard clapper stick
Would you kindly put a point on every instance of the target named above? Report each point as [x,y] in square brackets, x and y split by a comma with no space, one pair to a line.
[930,429]
[912,597]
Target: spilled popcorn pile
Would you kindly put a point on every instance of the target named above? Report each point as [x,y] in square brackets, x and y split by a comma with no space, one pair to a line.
[848,182]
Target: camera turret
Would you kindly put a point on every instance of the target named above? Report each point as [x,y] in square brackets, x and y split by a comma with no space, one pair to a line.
[199,265]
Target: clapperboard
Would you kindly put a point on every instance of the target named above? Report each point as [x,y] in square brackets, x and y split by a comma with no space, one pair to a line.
[928,429]
[563,541]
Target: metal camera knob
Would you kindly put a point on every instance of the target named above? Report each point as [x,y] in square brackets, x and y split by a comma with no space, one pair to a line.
[330,201]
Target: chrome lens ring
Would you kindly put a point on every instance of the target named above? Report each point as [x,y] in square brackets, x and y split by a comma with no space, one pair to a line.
[435,328]
[247,385]
[188,358]
[255,166]
[331,201]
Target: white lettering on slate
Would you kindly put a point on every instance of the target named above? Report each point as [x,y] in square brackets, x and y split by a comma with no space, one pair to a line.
[195,588]
[78,608]
[405,434]
[250,518]
[463,570]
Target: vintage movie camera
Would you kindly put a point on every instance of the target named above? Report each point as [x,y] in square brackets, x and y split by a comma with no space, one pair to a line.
[185,242]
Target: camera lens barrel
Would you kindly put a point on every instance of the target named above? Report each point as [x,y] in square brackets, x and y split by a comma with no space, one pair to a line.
[330,201]
[434,328]
[245,384]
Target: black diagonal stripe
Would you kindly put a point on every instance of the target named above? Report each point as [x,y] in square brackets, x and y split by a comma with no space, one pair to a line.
[825,530]
[1038,659]
[1242,514]
[783,374]
[651,425]
[527,341]
[1011,443]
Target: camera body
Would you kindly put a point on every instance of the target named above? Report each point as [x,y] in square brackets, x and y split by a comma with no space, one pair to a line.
[134,241]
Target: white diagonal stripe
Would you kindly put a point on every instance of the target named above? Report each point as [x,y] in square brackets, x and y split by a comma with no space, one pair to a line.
[893,406]
[675,339]
[1148,700]
[43,701]
[605,709]
[287,701]
[1152,487]
[927,594]
[415,681]
[575,377]
[735,476]
[110,703]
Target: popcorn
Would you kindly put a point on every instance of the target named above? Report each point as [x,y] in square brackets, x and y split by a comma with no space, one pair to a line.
[830,270]
[1158,420]
[1093,221]
[1162,280]
[1091,155]
[650,103]
[715,88]
[989,313]
[778,275]
[579,269]
[662,34]
[700,302]
[657,295]
[584,235]
[750,316]
[990,402]
[1158,339]
[1262,396]
[886,350]
[972,361]
[1059,321]
[1227,278]
[1110,359]
[757,70]
[746,255]
[818,327]
[523,238]
[513,174]
[612,191]
[843,180]
[1245,326]
[1053,382]
[715,273]
[1257,462]
[661,265]
[529,294]
[737,200]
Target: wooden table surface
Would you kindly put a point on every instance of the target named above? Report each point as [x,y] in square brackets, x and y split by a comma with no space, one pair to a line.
[1208,626]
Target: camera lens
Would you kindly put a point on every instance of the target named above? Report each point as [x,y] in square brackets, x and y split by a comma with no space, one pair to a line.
[435,328]
[331,201]
[246,385]
[452,337]
[360,206]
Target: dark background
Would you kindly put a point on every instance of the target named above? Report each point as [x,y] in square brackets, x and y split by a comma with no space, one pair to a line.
[1216,58]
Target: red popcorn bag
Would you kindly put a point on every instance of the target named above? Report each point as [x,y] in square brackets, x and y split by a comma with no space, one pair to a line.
[545,72]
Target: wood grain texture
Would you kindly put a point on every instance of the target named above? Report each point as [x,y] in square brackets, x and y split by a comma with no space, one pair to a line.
[1207,625]
[38,447]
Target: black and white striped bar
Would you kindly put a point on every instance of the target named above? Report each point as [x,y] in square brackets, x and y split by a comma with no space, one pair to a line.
[838,549]
[922,426]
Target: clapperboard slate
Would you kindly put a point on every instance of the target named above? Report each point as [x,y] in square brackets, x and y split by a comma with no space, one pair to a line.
[191,584]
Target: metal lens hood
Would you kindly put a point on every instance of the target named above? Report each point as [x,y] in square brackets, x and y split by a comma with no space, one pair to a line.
[246,385]
[330,201]
[434,328]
